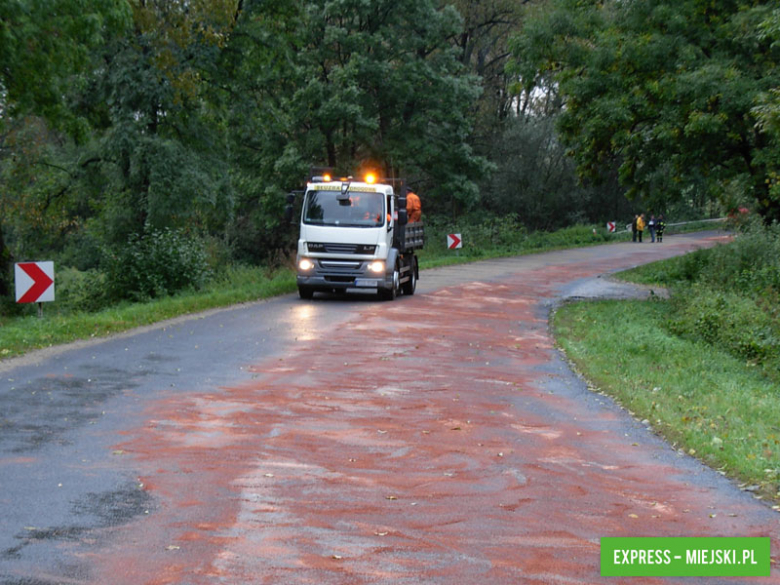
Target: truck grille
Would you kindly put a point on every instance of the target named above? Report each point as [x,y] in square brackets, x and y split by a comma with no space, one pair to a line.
[340,248]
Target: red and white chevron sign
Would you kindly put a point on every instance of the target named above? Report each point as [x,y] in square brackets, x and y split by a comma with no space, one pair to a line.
[454,241]
[610,226]
[34,282]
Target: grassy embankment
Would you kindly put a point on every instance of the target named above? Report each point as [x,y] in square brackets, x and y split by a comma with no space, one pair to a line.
[703,368]
[62,323]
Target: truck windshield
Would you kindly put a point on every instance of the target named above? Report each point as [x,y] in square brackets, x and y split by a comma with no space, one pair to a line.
[359,209]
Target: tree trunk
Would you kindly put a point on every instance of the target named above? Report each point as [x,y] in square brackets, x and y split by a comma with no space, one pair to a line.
[5,268]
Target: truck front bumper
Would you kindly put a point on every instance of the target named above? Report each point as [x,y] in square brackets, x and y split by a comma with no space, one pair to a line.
[341,274]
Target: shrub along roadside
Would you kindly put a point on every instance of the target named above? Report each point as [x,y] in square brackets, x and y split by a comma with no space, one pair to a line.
[701,399]
[156,264]
[727,296]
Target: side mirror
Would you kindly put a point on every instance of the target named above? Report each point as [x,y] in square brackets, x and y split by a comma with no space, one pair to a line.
[403,216]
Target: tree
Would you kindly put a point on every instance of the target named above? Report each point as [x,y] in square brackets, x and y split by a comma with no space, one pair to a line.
[347,83]
[44,45]
[160,139]
[664,89]
[483,48]
[767,110]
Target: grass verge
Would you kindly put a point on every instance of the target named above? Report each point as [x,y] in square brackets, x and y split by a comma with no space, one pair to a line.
[19,335]
[703,401]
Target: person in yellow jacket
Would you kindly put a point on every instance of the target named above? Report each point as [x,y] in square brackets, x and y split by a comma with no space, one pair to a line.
[640,226]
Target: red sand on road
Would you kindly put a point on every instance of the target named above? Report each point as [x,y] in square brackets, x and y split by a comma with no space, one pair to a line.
[425,443]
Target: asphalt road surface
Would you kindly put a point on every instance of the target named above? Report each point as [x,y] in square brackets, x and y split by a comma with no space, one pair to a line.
[440,438]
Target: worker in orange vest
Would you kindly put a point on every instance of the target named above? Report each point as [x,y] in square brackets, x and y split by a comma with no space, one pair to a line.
[413,207]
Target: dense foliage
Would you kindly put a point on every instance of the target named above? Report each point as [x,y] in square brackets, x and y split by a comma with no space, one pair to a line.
[125,118]
[681,95]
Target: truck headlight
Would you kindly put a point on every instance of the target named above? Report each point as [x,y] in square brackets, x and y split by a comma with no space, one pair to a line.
[304,265]
[377,267]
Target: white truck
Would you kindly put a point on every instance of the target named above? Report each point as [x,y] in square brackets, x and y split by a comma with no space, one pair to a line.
[356,235]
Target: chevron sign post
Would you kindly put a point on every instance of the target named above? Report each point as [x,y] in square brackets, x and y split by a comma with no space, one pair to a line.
[454,241]
[34,282]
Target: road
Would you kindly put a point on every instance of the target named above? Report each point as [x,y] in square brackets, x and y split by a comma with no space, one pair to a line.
[440,438]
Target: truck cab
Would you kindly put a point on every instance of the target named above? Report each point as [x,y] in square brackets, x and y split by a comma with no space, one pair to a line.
[355,235]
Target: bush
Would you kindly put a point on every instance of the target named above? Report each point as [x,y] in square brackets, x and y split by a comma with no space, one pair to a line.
[488,234]
[156,264]
[750,264]
[78,290]
[741,325]
[727,296]
[571,236]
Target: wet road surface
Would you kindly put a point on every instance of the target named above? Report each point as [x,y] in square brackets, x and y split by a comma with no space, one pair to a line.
[440,438]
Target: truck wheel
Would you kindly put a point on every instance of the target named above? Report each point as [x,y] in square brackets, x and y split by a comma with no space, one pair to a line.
[389,294]
[410,285]
[305,292]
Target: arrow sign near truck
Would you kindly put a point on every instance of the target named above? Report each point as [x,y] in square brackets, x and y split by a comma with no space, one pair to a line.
[454,241]
[34,282]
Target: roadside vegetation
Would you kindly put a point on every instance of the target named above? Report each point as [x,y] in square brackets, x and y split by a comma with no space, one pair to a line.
[702,368]
[169,276]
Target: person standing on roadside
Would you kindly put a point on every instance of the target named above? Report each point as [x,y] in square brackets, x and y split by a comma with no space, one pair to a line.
[660,226]
[640,226]
[633,228]
[651,227]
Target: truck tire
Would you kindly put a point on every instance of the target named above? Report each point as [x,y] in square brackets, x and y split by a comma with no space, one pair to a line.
[306,292]
[410,285]
[389,294]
